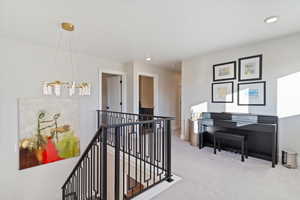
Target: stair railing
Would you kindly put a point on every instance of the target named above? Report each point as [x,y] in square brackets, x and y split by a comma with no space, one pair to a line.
[140,146]
[88,179]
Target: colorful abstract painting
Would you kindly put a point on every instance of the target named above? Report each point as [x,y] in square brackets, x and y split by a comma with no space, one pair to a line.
[48,131]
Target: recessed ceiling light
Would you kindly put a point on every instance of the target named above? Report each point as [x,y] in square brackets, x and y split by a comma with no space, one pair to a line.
[148,59]
[271,19]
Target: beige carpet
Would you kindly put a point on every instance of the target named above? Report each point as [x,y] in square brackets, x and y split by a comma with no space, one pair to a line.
[206,176]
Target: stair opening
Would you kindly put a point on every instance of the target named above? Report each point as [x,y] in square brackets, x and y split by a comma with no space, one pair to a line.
[129,154]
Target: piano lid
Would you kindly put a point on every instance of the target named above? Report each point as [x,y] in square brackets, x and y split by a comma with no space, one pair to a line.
[248,118]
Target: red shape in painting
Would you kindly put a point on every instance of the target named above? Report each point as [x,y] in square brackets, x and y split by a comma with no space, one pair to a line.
[50,153]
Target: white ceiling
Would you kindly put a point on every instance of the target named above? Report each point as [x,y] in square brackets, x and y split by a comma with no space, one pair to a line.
[166,30]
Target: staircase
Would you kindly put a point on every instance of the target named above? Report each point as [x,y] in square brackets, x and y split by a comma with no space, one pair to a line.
[128,155]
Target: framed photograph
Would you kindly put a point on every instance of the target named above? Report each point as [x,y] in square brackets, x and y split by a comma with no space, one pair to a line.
[252,94]
[250,68]
[224,71]
[222,92]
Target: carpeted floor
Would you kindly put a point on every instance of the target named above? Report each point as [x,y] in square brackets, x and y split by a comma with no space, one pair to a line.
[224,177]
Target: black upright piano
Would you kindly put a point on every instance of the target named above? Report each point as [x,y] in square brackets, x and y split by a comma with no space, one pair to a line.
[261,132]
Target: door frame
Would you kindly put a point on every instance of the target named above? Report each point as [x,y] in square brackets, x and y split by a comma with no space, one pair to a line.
[137,91]
[124,87]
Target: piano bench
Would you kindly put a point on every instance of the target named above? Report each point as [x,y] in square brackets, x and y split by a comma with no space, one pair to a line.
[220,135]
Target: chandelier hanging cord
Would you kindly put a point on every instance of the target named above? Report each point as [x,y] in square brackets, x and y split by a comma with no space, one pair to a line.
[71,58]
[84,88]
[60,36]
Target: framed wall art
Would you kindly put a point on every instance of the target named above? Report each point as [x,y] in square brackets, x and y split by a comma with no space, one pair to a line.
[252,94]
[222,92]
[224,71]
[48,131]
[250,68]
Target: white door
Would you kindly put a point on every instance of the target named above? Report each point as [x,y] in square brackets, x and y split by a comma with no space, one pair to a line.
[114,93]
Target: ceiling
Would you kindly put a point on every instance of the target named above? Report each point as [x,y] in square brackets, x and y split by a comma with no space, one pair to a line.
[166,30]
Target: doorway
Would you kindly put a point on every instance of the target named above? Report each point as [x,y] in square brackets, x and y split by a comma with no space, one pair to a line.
[112,92]
[146,95]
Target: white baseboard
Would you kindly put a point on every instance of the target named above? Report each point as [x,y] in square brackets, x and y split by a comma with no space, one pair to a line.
[156,190]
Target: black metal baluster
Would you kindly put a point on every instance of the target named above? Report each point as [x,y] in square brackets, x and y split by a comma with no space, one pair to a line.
[168,150]
[136,155]
[104,164]
[117,163]
[128,162]
[63,192]
[154,149]
[124,149]
[141,152]
[90,175]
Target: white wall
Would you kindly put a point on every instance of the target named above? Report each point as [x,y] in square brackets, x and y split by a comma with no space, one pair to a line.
[178,102]
[281,57]
[23,68]
[129,68]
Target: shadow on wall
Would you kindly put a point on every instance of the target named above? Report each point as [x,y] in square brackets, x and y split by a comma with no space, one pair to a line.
[288,110]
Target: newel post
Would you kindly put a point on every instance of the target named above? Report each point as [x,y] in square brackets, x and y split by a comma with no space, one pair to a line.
[169,152]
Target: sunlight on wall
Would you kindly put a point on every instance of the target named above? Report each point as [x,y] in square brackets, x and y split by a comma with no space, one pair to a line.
[234,108]
[196,113]
[199,108]
[288,95]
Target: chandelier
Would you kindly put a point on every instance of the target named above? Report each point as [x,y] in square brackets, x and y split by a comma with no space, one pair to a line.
[56,87]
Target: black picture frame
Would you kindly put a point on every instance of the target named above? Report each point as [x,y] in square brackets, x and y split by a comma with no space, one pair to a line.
[260,56]
[212,92]
[221,64]
[257,82]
